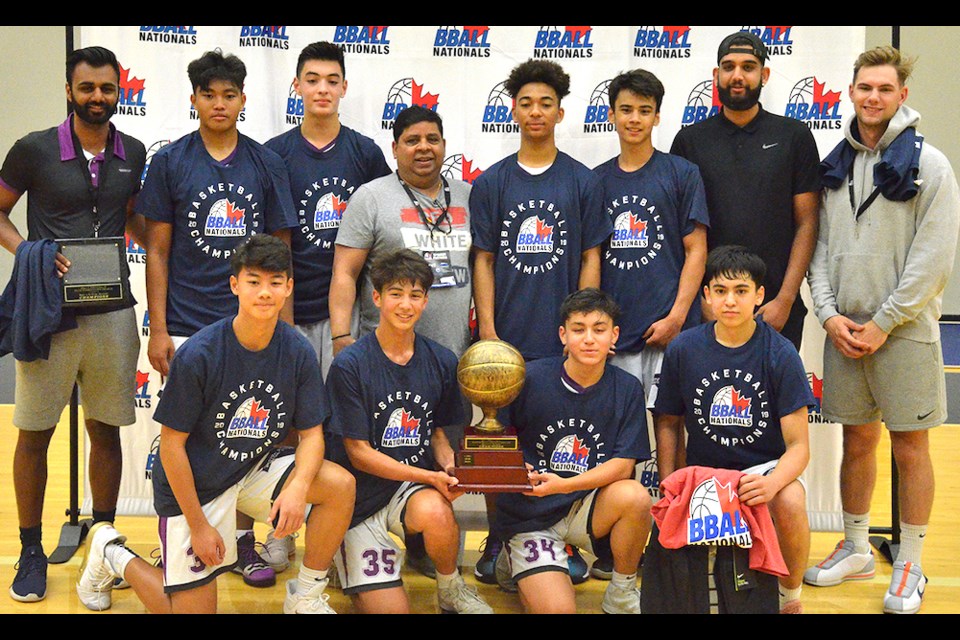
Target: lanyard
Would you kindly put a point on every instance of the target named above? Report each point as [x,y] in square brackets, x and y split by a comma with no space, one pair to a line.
[92,191]
[444,208]
[853,203]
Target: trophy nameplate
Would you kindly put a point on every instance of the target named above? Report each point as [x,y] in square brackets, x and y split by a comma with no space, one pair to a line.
[491,374]
[97,274]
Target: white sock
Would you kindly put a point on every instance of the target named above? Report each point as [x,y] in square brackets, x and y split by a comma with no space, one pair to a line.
[856,529]
[308,578]
[911,542]
[243,532]
[623,580]
[789,595]
[447,580]
[118,557]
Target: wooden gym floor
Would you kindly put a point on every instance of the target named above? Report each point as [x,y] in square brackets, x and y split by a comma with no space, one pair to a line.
[941,555]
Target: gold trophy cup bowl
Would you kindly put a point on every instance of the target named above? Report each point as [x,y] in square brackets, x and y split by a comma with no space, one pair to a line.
[491,374]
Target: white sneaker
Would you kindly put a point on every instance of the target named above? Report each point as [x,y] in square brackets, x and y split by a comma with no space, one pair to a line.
[843,564]
[907,585]
[312,601]
[619,600]
[95,582]
[502,572]
[279,552]
[461,598]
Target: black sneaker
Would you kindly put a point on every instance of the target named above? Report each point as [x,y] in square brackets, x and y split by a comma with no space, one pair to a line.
[485,570]
[417,558]
[579,572]
[602,569]
[30,584]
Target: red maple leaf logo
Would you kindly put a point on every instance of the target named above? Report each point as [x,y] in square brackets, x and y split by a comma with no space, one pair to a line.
[676,33]
[578,32]
[467,172]
[740,403]
[727,496]
[338,205]
[716,96]
[637,226]
[579,450]
[408,423]
[130,85]
[544,230]
[257,413]
[475,32]
[375,31]
[776,32]
[816,385]
[828,99]
[142,379]
[428,100]
[234,214]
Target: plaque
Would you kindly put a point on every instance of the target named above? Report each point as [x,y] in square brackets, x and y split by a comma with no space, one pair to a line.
[98,271]
[491,374]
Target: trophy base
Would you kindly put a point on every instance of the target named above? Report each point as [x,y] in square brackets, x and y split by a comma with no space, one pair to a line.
[488,463]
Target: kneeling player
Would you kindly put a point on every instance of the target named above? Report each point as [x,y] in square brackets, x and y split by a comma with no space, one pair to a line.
[582,427]
[391,394]
[235,389]
[741,390]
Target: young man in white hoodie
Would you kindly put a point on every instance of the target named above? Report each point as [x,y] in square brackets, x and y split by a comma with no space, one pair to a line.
[889,220]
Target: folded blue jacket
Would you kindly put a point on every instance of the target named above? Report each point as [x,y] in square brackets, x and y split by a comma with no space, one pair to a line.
[896,174]
[31,309]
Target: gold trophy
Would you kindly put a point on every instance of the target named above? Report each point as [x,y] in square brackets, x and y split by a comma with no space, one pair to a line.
[491,374]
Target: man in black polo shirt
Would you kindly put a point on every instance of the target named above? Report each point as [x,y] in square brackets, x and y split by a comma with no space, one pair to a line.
[761,176]
[81,177]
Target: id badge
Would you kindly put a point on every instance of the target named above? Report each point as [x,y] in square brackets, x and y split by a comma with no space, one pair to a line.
[439,262]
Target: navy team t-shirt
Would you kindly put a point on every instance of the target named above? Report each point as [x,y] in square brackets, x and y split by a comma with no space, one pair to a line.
[236,405]
[567,432]
[732,399]
[652,210]
[393,407]
[212,206]
[537,227]
[321,182]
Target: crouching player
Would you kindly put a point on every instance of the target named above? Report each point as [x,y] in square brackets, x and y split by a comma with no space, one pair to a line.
[235,389]
[391,394]
[582,427]
[741,390]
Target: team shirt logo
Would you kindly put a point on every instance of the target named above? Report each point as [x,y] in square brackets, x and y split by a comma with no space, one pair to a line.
[636,226]
[730,408]
[329,212]
[408,427]
[403,430]
[571,455]
[536,236]
[629,232]
[715,516]
[250,420]
[225,219]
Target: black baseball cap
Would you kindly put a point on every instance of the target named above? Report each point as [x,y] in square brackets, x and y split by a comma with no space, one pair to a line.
[743,40]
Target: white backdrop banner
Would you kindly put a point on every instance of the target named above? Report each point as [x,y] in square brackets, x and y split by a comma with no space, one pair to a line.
[459,71]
